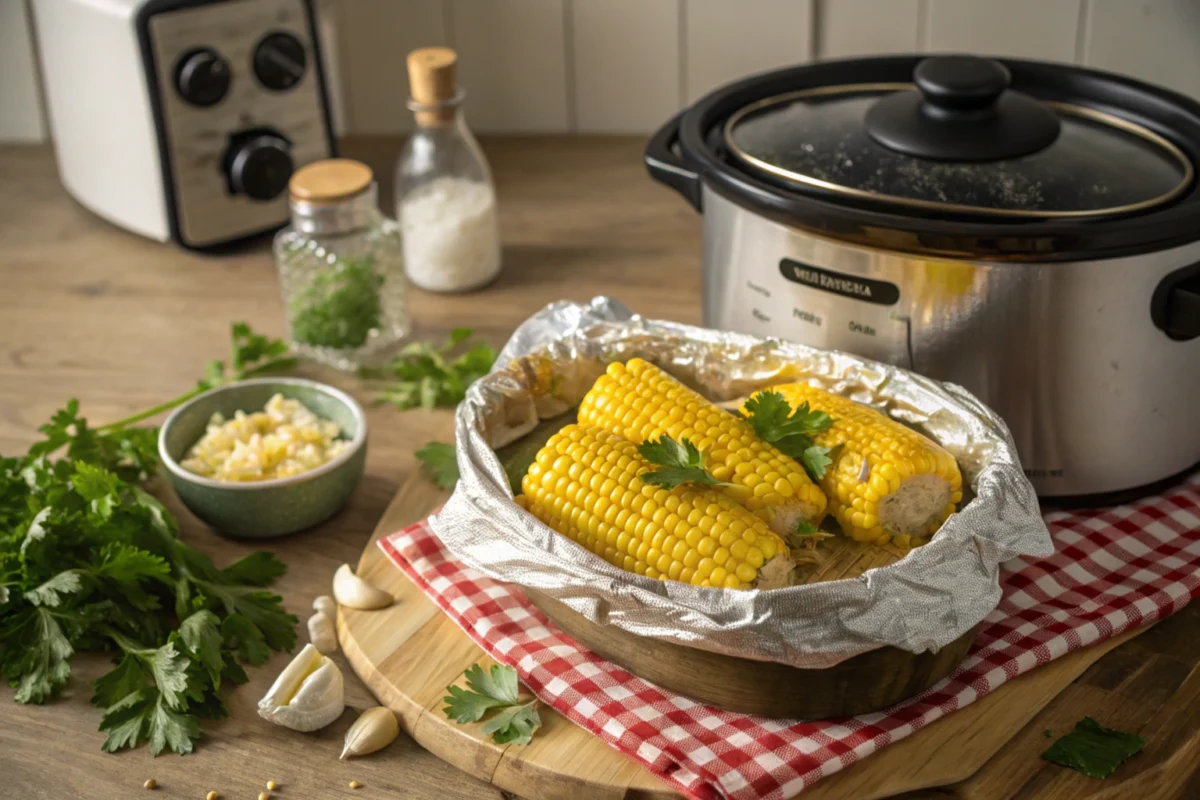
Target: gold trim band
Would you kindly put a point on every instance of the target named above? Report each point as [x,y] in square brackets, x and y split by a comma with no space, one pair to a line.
[1066,108]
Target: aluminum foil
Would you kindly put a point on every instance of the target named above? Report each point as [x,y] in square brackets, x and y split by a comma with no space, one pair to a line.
[923,602]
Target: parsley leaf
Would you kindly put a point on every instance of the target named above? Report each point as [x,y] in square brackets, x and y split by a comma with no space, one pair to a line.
[514,724]
[678,462]
[1094,750]
[774,421]
[816,460]
[496,689]
[427,376]
[35,653]
[146,715]
[124,679]
[126,567]
[439,462]
[256,569]
[806,533]
[201,634]
[51,592]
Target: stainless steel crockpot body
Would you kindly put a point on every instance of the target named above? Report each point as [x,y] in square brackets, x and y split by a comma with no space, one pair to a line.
[1029,231]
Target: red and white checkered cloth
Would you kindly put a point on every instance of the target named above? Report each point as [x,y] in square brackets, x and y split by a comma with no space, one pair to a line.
[1112,570]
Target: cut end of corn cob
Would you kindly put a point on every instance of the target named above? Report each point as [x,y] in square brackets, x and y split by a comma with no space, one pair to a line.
[638,401]
[889,482]
[585,485]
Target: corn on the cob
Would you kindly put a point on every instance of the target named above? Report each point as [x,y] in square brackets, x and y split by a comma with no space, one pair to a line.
[888,481]
[639,401]
[585,485]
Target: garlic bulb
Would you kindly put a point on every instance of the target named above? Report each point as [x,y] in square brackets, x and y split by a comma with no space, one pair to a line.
[352,591]
[326,605]
[307,695]
[322,634]
[374,729]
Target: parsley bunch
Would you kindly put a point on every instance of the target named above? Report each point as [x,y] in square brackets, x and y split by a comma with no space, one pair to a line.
[91,562]
[427,376]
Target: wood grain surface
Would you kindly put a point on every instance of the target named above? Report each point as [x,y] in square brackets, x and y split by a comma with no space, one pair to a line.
[89,311]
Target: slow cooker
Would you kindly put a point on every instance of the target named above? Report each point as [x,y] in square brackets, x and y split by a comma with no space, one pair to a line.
[1030,231]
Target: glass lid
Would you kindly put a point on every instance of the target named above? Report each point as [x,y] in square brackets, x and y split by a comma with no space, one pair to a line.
[959,142]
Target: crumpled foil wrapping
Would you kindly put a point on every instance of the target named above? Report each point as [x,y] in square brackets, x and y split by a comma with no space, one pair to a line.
[923,602]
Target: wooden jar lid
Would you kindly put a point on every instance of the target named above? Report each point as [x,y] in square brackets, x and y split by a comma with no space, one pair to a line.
[433,81]
[330,180]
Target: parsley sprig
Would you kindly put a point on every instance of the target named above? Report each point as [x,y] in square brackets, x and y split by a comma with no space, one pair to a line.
[253,355]
[440,463]
[89,561]
[496,691]
[428,376]
[678,463]
[790,431]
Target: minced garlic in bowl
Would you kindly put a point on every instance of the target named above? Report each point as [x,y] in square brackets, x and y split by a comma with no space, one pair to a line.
[282,440]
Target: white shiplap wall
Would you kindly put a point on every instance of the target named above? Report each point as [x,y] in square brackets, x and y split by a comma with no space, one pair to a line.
[623,66]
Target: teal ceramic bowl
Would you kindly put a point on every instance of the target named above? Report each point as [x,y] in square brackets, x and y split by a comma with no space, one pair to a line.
[262,509]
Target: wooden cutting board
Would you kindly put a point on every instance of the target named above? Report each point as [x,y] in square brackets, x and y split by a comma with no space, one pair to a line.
[409,653]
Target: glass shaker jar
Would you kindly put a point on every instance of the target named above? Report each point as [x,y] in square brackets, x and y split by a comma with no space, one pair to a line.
[445,200]
[341,267]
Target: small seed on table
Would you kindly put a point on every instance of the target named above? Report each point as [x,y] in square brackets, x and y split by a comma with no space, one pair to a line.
[264,796]
[150,784]
[272,785]
[211,796]
[355,785]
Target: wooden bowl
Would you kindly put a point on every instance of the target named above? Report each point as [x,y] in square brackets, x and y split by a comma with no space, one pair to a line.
[865,683]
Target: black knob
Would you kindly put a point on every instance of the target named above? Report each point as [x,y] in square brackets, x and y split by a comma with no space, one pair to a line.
[962,110]
[202,76]
[279,61]
[260,166]
[961,82]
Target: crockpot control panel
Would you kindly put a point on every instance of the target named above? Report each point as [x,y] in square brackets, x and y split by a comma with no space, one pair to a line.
[826,308]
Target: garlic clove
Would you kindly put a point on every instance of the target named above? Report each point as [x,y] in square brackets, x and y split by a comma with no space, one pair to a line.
[308,695]
[322,634]
[326,605]
[353,592]
[374,729]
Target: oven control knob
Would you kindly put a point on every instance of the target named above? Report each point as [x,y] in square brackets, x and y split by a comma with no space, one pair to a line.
[279,61]
[260,166]
[202,76]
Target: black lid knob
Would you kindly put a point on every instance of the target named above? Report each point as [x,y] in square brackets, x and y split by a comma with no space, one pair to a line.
[202,76]
[260,167]
[962,110]
[964,82]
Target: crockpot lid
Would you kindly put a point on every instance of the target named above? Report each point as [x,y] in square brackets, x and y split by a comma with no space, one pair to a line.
[959,142]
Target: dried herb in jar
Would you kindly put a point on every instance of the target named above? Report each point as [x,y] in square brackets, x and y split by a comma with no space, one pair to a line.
[341,306]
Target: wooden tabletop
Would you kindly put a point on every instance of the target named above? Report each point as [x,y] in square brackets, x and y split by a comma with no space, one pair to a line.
[121,323]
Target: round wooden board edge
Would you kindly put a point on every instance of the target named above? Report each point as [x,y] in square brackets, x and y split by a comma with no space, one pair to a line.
[559,785]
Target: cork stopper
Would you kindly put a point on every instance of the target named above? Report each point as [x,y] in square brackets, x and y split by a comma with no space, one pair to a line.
[432,80]
[330,181]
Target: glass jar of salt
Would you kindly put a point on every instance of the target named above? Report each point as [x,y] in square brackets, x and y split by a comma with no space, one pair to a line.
[341,267]
[445,201]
